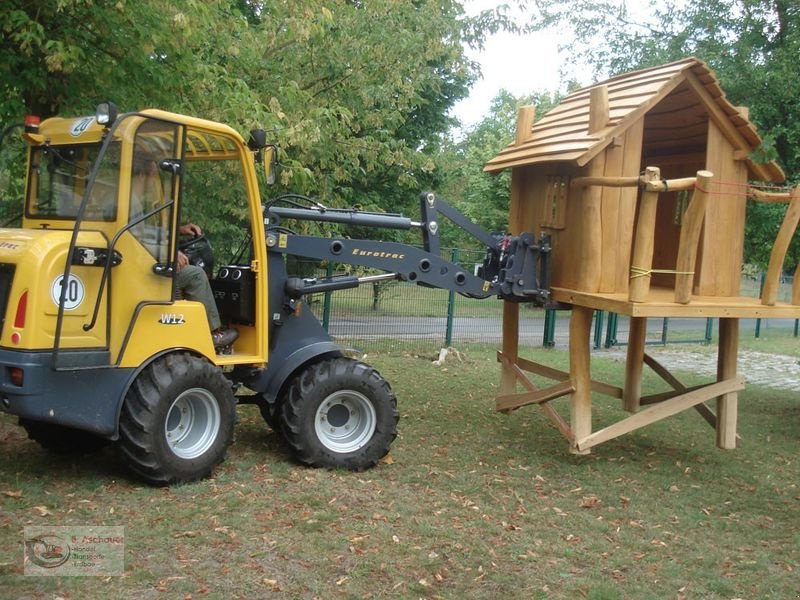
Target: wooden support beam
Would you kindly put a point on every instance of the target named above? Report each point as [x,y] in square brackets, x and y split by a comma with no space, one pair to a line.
[525,118]
[769,197]
[598,109]
[692,225]
[605,181]
[660,411]
[662,372]
[580,324]
[562,425]
[515,401]
[551,373]
[662,396]
[728,401]
[642,259]
[769,295]
[633,364]
[671,185]
[508,378]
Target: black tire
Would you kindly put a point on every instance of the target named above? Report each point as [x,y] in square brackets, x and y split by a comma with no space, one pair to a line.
[339,413]
[177,420]
[62,440]
[271,413]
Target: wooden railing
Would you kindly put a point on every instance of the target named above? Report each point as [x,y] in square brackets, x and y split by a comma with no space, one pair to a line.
[642,258]
[769,295]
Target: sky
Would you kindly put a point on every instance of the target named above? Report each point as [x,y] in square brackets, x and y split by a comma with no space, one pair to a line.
[521,64]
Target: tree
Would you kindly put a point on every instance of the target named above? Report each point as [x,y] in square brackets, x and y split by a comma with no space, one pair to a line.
[356,93]
[483,197]
[752,45]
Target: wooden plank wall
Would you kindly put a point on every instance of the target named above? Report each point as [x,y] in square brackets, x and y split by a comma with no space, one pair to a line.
[722,245]
[619,211]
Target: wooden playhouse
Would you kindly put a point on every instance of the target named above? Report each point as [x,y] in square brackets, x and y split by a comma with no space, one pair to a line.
[641,181]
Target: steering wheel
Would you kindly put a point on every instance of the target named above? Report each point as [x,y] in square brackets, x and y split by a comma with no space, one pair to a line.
[199,252]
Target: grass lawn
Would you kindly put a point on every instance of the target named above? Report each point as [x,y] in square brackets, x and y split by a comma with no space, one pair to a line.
[469,504]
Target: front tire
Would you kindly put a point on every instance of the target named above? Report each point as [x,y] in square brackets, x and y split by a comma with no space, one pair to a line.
[177,420]
[340,413]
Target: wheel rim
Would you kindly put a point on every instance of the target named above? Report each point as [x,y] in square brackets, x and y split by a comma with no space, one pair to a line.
[345,421]
[193,423]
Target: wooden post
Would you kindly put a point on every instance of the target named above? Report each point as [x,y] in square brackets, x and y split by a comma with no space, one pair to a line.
[692,224]
[508,378]
[769,294]
[727,404]
[598,108]
[634,364]
[580,324]
[642,259]
[796,287]
[525,117]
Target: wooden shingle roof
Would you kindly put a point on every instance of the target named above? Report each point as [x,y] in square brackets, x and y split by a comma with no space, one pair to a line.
[562,135]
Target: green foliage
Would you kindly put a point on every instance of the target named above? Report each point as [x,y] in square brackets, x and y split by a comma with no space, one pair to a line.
[483,197]
[357,94]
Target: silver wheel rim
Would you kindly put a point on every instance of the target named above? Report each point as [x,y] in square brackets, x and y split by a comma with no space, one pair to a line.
[345,421]
[192,423]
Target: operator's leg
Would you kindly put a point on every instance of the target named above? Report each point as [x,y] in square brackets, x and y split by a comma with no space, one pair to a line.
[192,284]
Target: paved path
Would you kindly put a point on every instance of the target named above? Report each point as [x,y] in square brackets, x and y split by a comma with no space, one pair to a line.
[758,368]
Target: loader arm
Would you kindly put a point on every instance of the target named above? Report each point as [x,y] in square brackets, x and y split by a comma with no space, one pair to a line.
[515,267]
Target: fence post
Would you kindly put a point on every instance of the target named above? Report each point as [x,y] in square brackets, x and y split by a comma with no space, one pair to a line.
[796,327]
[548,339]
[451,303]
[326,305]
[611,330]
[760,294]
[664,331]
[709,329]
[598,329]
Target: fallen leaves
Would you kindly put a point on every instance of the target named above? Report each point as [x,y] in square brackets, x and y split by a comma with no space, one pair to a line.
[590,502]
[13,493]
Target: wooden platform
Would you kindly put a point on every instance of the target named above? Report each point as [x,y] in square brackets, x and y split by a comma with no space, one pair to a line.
[660,303]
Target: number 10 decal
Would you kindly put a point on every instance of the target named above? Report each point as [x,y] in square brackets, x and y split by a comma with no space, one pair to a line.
[74,292]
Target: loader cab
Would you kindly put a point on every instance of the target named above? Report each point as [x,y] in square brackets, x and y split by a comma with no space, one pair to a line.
[113,195]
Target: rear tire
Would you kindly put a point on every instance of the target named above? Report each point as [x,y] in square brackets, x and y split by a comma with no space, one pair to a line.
[340,413]
[62,440]
[177,420]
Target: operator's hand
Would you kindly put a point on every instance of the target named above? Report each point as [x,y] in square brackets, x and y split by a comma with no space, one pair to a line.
[182,261]
[190,229]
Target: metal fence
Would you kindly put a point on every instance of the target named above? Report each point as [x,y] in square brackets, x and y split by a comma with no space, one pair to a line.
[392,314]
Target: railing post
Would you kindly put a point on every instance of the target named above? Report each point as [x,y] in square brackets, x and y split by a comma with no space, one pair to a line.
[769,295]
[642,259]
[692,224]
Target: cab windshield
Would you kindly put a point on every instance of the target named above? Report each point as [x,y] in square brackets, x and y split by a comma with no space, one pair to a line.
[59,176]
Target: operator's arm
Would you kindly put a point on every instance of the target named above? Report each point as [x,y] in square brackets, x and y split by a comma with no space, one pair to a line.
[190,229]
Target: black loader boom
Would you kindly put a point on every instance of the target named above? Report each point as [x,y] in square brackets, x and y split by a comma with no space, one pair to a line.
[515,267]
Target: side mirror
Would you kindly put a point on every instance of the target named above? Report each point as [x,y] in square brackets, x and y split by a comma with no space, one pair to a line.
[258,139]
